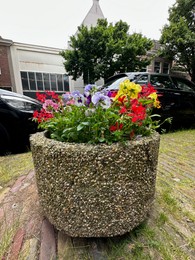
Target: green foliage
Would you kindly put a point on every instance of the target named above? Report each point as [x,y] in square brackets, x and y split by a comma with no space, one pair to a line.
[99,117]
[162,219]
[104,50]
[178,36]
[73,125]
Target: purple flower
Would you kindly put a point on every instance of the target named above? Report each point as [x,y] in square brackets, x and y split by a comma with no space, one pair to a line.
[88,100]
[109,94]
[66,97]
[100,99]
[78,97]
[75,93]
[88,88]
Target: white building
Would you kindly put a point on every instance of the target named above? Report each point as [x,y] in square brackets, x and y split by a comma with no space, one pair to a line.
[38,68]
[35,68]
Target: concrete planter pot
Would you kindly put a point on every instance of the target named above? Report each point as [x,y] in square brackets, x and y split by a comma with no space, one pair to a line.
[95,190]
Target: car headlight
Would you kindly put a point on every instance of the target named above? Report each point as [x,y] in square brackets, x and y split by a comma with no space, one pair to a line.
[20,103]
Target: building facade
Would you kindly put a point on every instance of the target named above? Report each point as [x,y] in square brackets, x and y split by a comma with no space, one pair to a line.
[38,68]
[6,69]
[27,69]
[158,64]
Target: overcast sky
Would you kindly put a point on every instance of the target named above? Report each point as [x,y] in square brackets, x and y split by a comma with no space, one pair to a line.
[51,23]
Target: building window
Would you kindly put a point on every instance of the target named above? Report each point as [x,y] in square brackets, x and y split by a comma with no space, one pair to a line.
[65,81]
[31,76]
[46,80]
[53,82]
[157,66]
[37,81]
[25,83]
[165,67]
[60,82]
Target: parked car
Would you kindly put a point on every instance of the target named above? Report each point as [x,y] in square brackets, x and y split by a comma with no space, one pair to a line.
[177,95]
[16,120]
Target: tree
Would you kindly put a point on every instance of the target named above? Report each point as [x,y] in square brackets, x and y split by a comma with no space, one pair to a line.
[100,51]
[178,37]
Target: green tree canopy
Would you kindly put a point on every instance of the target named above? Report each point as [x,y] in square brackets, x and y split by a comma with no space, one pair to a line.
[100,51]
[178,37]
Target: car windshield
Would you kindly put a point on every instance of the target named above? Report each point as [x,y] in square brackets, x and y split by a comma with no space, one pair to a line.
[114,85]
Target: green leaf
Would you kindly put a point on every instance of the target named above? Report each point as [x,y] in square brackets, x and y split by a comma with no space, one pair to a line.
[101,139]
[81,126]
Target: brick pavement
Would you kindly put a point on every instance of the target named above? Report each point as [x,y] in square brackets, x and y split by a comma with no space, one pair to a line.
[32,236]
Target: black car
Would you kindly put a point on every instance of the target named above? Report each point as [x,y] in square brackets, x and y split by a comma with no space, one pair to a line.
[16,121]
[177,95]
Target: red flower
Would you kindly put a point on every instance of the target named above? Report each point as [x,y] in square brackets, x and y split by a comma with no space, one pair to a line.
[113,93]
[138,113]
[123,110]
[147,90]
[42,116]
[115,127]
[49,95]
[121,99]
[132,134]
[53,95]
[138,109]
[41,97]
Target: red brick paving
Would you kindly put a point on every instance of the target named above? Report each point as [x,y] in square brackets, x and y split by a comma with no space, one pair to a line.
[18,184]
[17,244]
[35,236]
[1,213]
[19,206]
[48,241]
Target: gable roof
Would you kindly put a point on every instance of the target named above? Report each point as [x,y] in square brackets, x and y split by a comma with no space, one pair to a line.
[93,15]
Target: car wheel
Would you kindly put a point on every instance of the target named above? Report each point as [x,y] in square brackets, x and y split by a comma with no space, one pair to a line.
[4,140]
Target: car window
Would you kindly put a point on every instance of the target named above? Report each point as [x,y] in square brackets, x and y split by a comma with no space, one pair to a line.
[162,81]
[142,80]
[183,84]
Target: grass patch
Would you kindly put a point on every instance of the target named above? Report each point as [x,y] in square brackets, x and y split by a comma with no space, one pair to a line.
[7,238]
[169,199]
[12,166]
[162,219]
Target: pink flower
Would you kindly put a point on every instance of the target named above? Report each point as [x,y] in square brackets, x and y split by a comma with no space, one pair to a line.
[50,106]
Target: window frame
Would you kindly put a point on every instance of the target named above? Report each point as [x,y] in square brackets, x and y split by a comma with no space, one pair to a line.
[39,77]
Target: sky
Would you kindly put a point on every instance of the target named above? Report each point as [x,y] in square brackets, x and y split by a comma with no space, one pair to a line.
[51,23]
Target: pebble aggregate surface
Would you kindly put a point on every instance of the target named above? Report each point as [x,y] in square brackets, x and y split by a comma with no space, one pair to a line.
[95,190]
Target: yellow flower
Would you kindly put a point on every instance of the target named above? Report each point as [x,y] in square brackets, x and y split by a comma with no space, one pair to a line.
[157,104]
[129,89]
[154,96]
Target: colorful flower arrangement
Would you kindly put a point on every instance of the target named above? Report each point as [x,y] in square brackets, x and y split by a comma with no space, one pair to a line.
[99,116]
